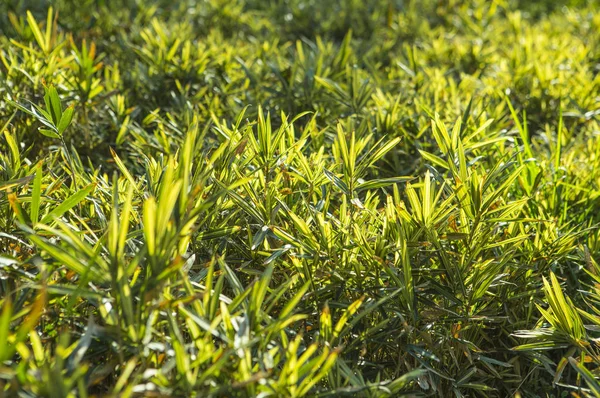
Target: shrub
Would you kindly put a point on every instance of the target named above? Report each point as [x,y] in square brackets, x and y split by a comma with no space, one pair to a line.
[299,198]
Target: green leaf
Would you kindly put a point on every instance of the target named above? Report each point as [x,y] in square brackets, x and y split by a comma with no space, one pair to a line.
[49,133]
[53,106]
[6,185]
[65,119]
[21,107]
[36,195]
[382,182]
[336,181]
[436,160]
[5,349]
[37,33]
[68,204]
[589,378]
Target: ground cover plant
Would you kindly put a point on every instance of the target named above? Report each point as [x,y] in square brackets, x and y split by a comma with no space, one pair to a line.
[244,198]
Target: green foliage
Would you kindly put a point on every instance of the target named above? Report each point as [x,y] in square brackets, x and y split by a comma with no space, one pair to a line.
[299,198]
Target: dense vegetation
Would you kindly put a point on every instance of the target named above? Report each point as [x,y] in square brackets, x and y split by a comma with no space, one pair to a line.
[239,198]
